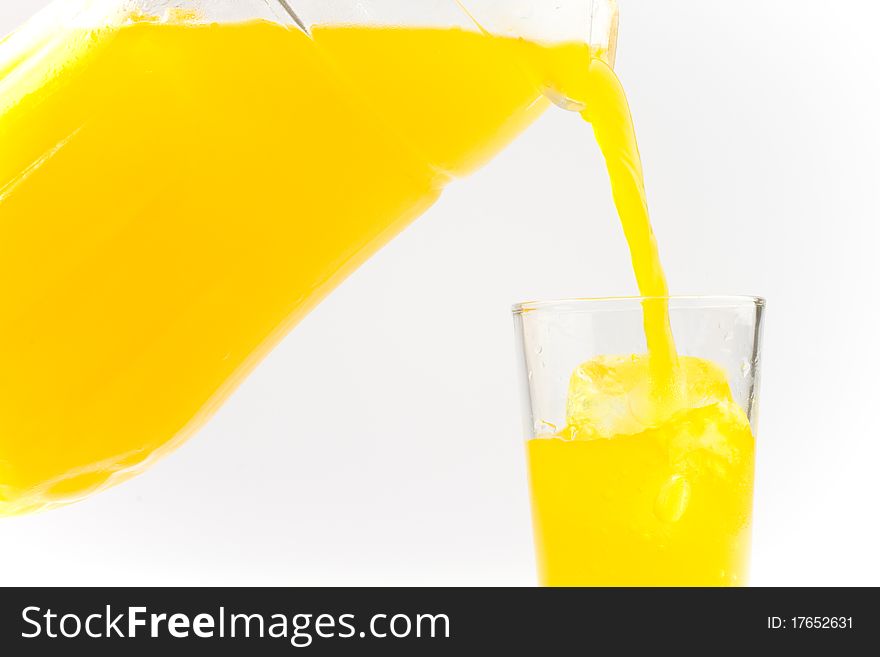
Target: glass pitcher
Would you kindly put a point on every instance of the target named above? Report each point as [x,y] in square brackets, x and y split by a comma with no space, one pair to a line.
[181,182]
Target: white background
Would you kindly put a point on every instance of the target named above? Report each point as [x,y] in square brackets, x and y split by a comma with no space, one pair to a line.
[380,443]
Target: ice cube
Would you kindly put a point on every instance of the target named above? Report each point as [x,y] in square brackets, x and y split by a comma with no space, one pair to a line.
[612,395]
[702,383]
[712,440]
[673,498]
[609,396]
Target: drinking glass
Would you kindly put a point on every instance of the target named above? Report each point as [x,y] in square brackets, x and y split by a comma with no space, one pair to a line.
[626,489]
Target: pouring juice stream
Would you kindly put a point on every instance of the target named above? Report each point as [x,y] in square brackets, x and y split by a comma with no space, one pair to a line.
[650,482]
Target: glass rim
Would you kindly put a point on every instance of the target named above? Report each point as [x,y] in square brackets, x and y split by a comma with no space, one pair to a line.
[592,304]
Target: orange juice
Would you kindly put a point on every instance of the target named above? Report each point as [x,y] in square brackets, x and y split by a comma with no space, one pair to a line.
[635,493]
